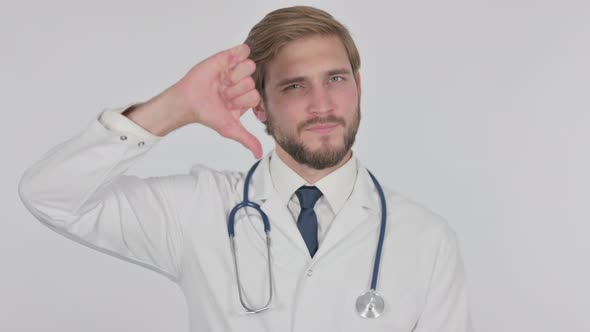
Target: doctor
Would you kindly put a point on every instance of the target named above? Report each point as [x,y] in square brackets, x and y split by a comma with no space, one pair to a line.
[299,71]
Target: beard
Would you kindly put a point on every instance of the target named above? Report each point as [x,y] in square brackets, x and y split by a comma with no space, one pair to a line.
[324,157]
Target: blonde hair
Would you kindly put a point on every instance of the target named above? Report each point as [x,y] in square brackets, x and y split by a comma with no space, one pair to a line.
[284,25]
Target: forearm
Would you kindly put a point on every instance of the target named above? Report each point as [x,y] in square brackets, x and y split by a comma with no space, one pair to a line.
[79,190]
[60,183]
[162,114]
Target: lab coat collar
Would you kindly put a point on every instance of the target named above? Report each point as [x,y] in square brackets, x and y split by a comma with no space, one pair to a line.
[287,244]
[261,185]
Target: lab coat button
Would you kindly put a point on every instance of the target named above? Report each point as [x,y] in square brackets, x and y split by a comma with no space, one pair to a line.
[140,144]
[123,138]
[309,272]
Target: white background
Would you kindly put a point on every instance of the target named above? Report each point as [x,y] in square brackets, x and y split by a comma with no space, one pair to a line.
[477,109]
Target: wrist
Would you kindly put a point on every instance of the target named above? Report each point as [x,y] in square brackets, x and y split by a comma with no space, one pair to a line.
[160,115]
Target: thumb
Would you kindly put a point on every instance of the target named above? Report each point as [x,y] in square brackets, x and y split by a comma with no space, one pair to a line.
[238,133]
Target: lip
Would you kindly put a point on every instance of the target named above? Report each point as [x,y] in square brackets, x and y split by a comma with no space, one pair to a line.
[322,129]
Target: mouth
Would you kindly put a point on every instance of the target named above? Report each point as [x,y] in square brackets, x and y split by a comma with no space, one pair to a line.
[322,129]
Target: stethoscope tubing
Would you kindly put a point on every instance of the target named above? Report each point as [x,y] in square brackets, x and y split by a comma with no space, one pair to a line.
[265,220]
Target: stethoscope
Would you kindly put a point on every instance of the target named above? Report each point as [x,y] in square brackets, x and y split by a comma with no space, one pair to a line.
[368,305]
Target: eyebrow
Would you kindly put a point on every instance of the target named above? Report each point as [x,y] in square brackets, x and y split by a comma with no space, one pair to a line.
[298,79]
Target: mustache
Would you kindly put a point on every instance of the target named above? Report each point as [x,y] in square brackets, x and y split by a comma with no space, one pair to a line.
[331,119]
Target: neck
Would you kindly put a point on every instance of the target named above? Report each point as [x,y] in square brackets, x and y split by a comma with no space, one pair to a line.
[309,174]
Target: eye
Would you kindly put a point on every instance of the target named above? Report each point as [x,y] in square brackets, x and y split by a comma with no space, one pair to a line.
[340,78]
[290,87]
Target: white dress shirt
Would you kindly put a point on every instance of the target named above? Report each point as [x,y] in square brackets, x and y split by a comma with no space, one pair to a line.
[336,187]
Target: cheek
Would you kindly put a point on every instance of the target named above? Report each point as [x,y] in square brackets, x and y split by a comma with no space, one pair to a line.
[288,110]
[285,116]
[348,94]
[346,103]
[288,103]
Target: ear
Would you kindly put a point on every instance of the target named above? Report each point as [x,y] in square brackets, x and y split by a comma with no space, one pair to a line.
[260,111]
[358,82]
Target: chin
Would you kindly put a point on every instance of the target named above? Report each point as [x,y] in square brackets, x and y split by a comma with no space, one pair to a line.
[327,149]
[328,143]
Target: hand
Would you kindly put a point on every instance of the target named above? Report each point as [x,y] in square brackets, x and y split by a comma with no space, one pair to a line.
[219,90]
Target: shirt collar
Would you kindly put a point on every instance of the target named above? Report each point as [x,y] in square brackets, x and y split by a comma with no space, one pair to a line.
[336,186]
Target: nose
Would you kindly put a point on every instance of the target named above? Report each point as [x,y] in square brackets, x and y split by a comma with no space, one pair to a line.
[321,100]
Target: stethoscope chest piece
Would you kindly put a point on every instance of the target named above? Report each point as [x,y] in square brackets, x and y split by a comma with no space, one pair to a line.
[370,305]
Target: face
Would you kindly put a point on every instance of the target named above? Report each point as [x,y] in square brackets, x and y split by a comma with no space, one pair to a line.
[312,101]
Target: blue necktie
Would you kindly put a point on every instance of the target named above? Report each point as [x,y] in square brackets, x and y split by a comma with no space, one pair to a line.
[307,222]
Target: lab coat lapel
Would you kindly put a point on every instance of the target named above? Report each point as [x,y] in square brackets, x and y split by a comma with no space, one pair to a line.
[286,241]
[360,215]
[286,235]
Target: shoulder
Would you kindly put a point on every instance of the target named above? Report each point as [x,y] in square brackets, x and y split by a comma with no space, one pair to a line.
[403,212]
[416,218]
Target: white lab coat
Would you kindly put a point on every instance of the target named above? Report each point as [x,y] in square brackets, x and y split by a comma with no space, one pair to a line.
[177,225]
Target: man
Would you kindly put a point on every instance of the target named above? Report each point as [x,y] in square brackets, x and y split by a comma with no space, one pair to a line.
[299,71]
